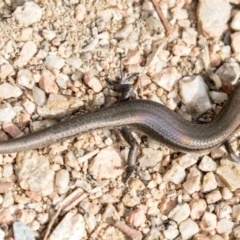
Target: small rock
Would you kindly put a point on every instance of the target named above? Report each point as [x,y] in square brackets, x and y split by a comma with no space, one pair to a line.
[2,234]
[12,130]
[132,58]
[39,96]
[25,78]
[80,12]
[9,91]
[209,182]
[235,39]
[171,233]
[230,176]
[235,24]
[150,157]
[90,221]
[48,34]
[131,199]
[175,174]
[5,187]
[236,212]
[213,197]
[223,210]
[92,82]
[218,97]
[179,13]
[198,207]
[62,181]
[72,226]
[225,226]
[138,217]
[226,193]
[187,160]
[207,164]
[74,62]
[54,62]
[194,94]
[213,16]
[188,228]
[47,82]
[27,52]
[21,231]
[180,213]
[236,232]
[179,50]
[124,32]
[135,183]
[229,72]
[167,78]
[62,81]
[107,164]
[36,177]
[28,14]
[193,182]
[208,222]
[7,113]
[6,70]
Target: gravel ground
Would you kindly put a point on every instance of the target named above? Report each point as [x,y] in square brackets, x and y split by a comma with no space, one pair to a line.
[58,59]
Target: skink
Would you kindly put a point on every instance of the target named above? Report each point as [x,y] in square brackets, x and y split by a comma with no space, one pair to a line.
[149,117]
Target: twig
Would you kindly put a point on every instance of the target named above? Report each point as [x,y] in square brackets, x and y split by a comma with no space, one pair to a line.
[162,18]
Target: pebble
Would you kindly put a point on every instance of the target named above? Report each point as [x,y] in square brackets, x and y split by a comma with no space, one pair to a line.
[175,174]
[208,222]
[2,234]
[193,182]
[7,113]
[180,213]
[132,58]
[62,81]
[187,160]
[218,97]
[47,82]
[80,12]
[74,62]
[188,228]
[150,157]
[236,232]
[213,196]
[171,233]
[62,181]
[25,78]
[12,130]
[131,199]
[230,176]
[135,183]
[124,32]
[28,14]
[213,16]
[194,94]
[209,182]
[71,227]
[235,39]
[198,207]
[229,72]
[138,217]
[236,212]
[92,82]
[90,221]
[22,232]
[8,200]
[48,34]
[9,91]
[54,62]
[223,210]
[207,164]
[107,164]
[6,70]
[167,78]
[37,176]
[39,96]
[5,187]
[27,52]
[179,50]
[224,226]
[235,24]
